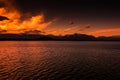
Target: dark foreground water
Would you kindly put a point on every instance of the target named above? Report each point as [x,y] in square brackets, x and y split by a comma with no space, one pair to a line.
[59,60]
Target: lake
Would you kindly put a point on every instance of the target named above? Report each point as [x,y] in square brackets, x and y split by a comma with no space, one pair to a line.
[59,60]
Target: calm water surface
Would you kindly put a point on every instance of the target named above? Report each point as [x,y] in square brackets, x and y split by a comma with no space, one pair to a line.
[59,60]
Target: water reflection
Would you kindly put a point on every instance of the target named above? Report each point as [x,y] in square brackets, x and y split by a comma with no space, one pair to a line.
[34,60]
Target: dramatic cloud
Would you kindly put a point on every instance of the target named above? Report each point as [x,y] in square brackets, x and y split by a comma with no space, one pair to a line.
[3,18]
[12,20]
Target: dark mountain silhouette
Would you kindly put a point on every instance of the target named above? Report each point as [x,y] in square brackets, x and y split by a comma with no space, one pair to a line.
[111,38]
[69,37]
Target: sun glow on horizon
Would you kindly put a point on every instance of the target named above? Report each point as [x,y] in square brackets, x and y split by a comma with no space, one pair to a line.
[106,32]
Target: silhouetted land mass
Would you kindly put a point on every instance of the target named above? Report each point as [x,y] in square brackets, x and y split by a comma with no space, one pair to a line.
[69,37]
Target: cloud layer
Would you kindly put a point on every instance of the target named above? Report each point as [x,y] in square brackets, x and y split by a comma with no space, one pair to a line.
[13,21]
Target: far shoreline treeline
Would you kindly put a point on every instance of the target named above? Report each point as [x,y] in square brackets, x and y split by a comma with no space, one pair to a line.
[68,37]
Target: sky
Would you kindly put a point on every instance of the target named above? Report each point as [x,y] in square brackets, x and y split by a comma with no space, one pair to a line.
[60,17]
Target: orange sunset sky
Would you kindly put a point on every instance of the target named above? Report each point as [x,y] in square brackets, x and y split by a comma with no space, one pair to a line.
[14,20]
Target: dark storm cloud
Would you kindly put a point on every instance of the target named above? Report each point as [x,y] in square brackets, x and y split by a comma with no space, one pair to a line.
[3,18]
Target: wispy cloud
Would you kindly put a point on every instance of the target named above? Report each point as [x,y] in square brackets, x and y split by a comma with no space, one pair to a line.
[105,32]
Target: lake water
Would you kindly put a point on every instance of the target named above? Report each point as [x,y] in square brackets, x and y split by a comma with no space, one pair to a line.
[59,60]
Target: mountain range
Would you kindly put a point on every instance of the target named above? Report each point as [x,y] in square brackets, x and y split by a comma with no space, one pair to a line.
[68,37]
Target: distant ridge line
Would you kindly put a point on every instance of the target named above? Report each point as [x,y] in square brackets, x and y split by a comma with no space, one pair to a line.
[68,37]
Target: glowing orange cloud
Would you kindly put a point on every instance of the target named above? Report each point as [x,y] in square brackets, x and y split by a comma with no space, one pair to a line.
[16,25]
[106,32]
